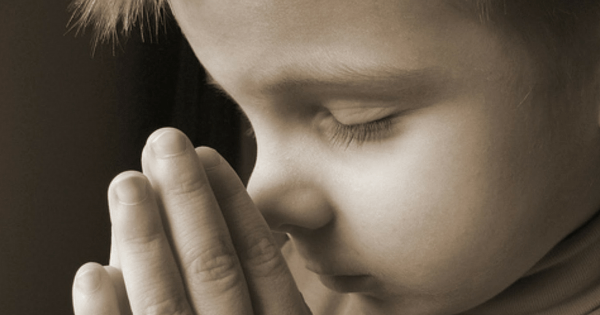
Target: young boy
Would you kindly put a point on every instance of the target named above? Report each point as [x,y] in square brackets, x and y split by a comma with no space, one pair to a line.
[423,157]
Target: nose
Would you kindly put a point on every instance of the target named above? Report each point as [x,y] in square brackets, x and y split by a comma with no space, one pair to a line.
[288,192]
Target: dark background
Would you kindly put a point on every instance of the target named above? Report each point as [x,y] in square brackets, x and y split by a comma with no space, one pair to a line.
[69,123]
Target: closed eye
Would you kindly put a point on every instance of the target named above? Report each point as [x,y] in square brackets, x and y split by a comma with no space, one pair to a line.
[358,134]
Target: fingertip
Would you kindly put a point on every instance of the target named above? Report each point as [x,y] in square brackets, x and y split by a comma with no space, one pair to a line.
[133,208]
[161,131]
[127,192]
[209,157]
[129,188]
[162,143]
[88,278]
[223,179]
[93,292]
[125,176]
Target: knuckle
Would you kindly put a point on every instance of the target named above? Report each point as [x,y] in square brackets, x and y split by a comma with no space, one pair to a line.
[187,187]
[142,242]
[216,267]
[262,257]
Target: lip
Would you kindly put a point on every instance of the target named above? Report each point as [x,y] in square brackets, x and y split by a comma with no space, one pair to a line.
[339,277]
[343,282]
[349,284]
[323,271]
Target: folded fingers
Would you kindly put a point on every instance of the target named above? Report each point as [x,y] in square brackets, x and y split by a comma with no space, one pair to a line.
[189,239]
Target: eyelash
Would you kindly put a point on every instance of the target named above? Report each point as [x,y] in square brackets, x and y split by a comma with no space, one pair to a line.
[345,135]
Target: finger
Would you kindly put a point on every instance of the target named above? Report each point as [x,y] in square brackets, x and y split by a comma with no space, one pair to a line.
[272,288]
[116,277]
[151,276]
[93,292]
[114,256]
[201,241]
[114,271]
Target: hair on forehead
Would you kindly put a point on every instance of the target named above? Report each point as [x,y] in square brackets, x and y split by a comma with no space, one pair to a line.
[556,23]
[111,18]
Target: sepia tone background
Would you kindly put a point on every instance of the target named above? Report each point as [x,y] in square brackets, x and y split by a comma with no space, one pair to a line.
[70,122]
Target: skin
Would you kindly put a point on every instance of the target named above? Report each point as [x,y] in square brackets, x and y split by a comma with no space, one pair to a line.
[475,178]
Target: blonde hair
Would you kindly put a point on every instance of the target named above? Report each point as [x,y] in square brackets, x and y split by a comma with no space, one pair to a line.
[112,18]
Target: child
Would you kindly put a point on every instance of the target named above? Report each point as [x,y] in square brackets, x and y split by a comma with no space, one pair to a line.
[424,157]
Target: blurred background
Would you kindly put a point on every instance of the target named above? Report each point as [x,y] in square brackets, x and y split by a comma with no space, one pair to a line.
[69,123]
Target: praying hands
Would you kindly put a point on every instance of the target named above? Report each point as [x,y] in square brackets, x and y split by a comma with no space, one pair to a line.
[187,239]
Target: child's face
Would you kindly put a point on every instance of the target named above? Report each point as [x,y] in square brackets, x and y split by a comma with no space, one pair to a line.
[452,182]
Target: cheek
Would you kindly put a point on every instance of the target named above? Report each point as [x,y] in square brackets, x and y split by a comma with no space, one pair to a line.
[449,198]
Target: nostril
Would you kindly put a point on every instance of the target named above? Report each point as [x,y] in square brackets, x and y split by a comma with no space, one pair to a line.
[291,229]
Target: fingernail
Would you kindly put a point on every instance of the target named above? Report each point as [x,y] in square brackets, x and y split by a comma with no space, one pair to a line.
[88,281]
[169,143]
[210,158]
[131,190]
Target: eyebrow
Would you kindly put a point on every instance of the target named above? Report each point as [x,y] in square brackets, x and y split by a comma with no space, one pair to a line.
[347,82]
[386,83]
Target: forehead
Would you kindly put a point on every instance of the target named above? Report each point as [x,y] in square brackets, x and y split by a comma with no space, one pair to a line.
[280,18]
[271,39]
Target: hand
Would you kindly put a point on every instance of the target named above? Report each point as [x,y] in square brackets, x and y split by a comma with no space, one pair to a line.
[187,239]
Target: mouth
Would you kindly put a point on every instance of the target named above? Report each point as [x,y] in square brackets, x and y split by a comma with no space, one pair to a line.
[345,277]
[349,284]
[343,282]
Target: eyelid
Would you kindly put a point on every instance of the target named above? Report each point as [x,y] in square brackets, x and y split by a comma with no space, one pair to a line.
[357,116]
[359,134]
